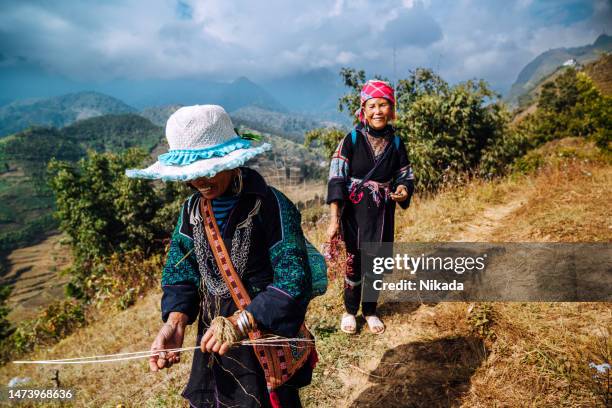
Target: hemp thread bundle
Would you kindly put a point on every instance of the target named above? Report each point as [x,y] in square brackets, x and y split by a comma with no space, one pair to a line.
[335,256]
[224,331]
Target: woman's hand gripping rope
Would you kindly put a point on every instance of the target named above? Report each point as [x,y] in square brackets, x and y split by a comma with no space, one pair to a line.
[170,336]
[224,332]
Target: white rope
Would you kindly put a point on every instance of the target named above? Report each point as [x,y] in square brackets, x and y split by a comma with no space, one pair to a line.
[103,359]
[264,342]
[148,352]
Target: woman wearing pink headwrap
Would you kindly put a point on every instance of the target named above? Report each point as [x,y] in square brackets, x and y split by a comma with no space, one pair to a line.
[369,173]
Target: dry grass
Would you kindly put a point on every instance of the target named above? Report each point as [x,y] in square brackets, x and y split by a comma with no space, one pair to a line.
[569,201]
[531,354]
[601,73]
[106,385]
[445,216]
[34,273]
[304,191]
[446,354]
[541,355]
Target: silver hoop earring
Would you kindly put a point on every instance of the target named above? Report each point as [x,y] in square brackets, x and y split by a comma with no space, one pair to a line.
[237,183]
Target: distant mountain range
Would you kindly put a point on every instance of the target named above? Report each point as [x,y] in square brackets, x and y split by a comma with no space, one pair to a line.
[548,62]
[289,125]
[114,132]
[75,108]
[312,92]
[29,151]
[159,115]
[231,95]
[306,100]
[58,111]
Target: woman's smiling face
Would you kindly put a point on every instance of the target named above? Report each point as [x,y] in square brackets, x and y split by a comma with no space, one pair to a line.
[378,112]
[215,186]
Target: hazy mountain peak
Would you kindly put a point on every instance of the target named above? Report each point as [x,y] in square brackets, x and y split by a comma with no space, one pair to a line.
[243,80]
[548,62]
[603,40]
[58,111]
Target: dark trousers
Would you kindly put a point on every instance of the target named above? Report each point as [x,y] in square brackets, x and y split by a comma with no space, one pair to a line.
[354,282]
[288,397]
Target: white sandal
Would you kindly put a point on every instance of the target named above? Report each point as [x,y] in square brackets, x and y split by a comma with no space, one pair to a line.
[348,324]
[373,323]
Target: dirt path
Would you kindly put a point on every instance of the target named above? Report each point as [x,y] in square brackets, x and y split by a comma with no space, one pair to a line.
[34,275]
[482,227]
[380,380]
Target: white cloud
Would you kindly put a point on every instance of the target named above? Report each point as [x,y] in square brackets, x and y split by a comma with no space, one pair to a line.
[337,9]
[223,39]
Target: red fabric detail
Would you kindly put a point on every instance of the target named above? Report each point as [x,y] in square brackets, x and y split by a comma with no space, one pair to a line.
[313,358]
[274,400]
[375,89]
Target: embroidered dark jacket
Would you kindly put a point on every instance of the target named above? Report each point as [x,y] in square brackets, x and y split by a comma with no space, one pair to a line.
[372,219]
[274,276]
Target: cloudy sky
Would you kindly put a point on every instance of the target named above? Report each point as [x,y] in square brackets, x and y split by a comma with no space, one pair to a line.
[221,40]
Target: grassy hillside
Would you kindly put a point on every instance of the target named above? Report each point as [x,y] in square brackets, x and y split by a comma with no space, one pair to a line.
[57,111]
[26,201]
[548,62]
[446,354]
[159,115]
[114,132]
[601,73]
[36,277]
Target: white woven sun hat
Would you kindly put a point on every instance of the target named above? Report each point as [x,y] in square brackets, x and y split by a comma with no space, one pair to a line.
[202,143]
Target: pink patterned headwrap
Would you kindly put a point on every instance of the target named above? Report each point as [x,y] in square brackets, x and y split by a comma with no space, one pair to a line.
[375,89]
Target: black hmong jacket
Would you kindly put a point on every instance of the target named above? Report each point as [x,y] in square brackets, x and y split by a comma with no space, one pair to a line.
[372,218]
[264,237]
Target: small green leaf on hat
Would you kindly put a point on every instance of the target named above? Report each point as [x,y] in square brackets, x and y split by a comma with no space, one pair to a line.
[249,136]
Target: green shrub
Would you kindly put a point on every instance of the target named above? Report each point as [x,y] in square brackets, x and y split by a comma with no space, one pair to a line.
[456,132]
[327,138]
[122,278]
[5,325]
[56,322]
[570,106]
[528,163]
[104,212]
[447,129]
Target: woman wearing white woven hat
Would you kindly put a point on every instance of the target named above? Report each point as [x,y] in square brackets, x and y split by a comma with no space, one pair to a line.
[239,264]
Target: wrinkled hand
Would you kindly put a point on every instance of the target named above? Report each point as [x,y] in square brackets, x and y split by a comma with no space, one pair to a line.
[170,336]
[401,194]
[211,345]
[333,230]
